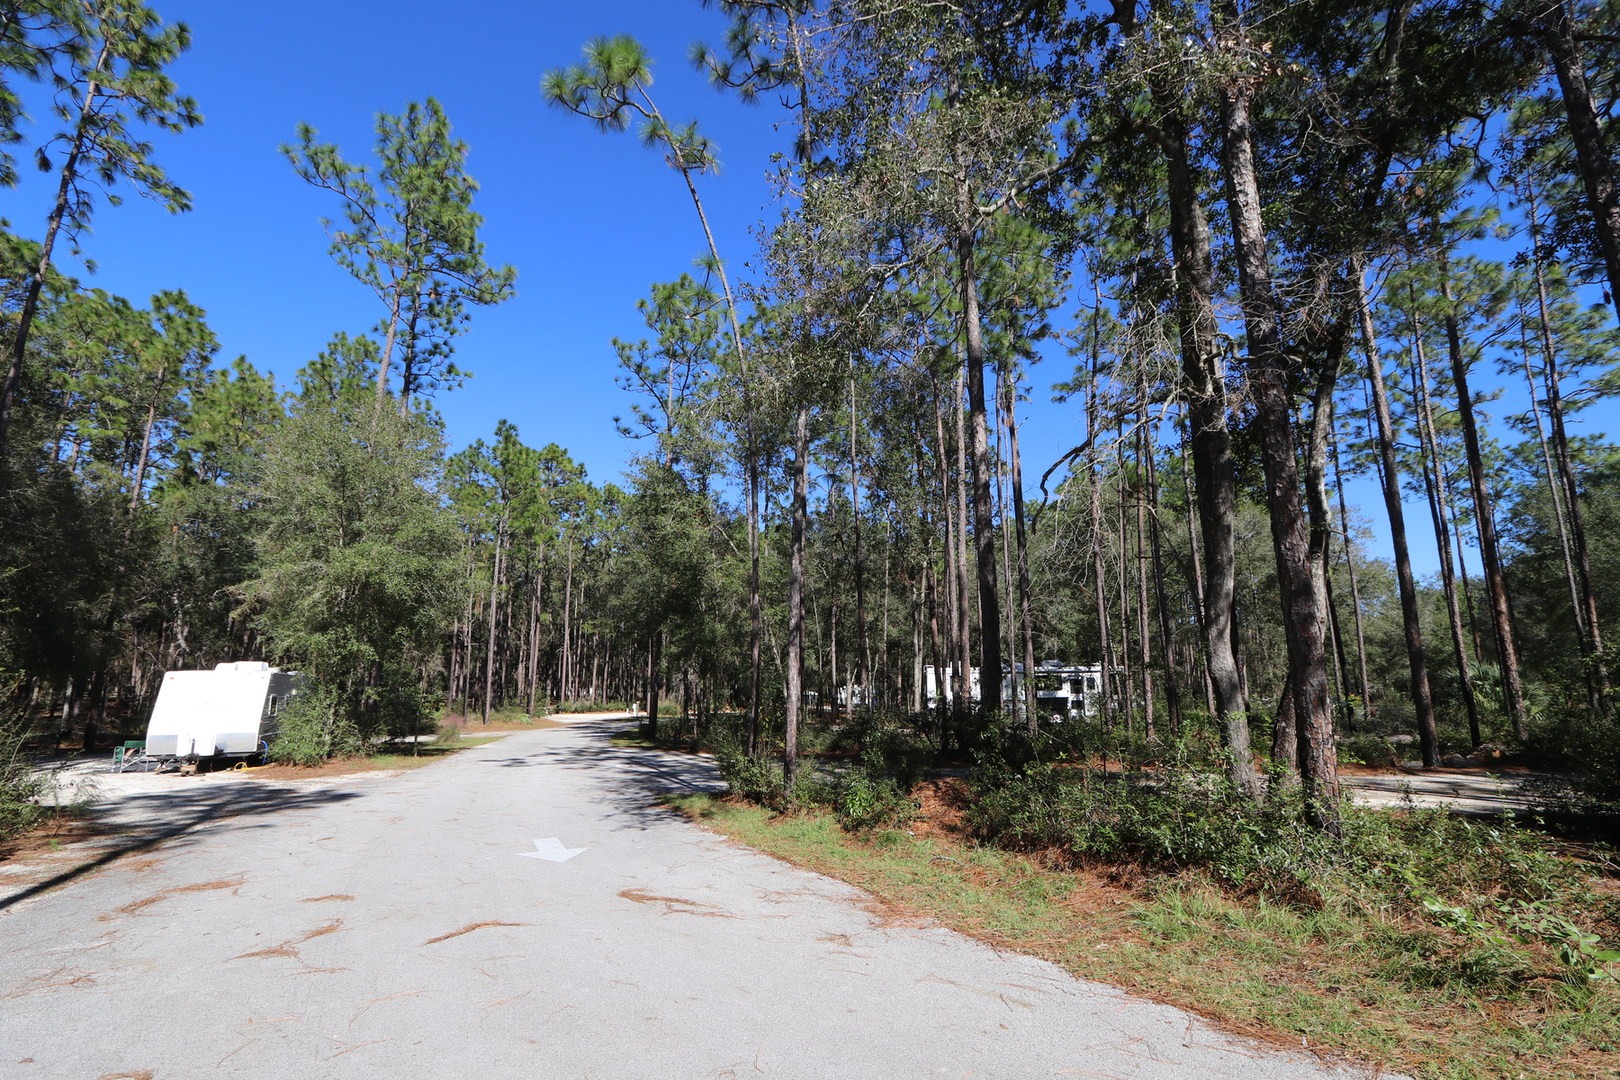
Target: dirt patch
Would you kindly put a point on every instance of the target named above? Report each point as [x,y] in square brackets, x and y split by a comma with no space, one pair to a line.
[889,913]
[55,832]
[941,808]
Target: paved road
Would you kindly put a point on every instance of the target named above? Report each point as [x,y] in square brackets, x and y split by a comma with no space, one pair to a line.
[1469,792]
[391,928]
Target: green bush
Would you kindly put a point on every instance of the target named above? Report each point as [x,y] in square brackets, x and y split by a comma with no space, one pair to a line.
[588,706]
[1373,750]
[20,785]
[871,795]
[751,777]
[314,729]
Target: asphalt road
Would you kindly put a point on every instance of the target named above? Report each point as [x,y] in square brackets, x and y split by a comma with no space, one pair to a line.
[403,927]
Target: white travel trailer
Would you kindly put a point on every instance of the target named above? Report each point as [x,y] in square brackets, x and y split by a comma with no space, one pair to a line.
[232,711]
[936,689]
[1068,691]
[1062,691]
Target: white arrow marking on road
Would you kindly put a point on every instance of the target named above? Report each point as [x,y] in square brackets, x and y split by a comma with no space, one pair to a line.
[551,849]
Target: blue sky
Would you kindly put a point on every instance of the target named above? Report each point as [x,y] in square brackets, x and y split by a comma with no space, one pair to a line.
[590,220]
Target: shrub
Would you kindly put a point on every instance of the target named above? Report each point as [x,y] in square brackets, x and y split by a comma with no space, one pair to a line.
[313,729]
[871,796]
[20,785]
[1373,750]
[588,706]
[750,776]
[1173,821]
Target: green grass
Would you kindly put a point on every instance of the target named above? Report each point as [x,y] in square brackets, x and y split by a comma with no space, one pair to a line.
[1390,989]
[424,754]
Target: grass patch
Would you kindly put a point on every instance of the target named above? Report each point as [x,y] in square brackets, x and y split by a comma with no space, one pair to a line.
[506,720]
[636,739]
[423,753]
[394,759]
[566,707]
[1404,993]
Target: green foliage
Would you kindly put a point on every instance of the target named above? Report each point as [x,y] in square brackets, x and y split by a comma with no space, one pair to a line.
[357,576]
[118,50]
[1172,820]
[751,777]
[871,795]
[20,785]
[315,727]
[589,706]
[872,791]
[410,234]
[1373,750]
[1195,821]
[610,88]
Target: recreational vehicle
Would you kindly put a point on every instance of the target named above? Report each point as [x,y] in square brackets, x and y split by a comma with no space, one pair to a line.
[232,711]
[1062,691]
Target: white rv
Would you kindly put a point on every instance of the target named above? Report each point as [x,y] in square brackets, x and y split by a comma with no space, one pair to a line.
[1068,691]
[232,711]
[1062,691]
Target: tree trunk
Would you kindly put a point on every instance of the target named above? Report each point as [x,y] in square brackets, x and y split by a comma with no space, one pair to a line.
[1554,488]
[1586,132]
[1417,662]
[795,667]
[1005,582]
[534,634]
[964,617]
[1203,385]
[1144,638]
[655,642]
[1566,473]
[1099,569]
[1435,485]
[1318,513]
[494,590]
[1302,615]
[1355,582]
[1507,650]
[863,672]
[1196,553]
[1026,615]
[984,536]
[952,699]
[1123,580]
[1172,693]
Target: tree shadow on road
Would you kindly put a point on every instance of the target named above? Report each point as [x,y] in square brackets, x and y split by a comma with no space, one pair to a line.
[634,779]
[139,823]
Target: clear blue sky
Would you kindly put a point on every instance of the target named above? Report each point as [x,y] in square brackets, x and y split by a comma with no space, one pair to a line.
[590,220]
